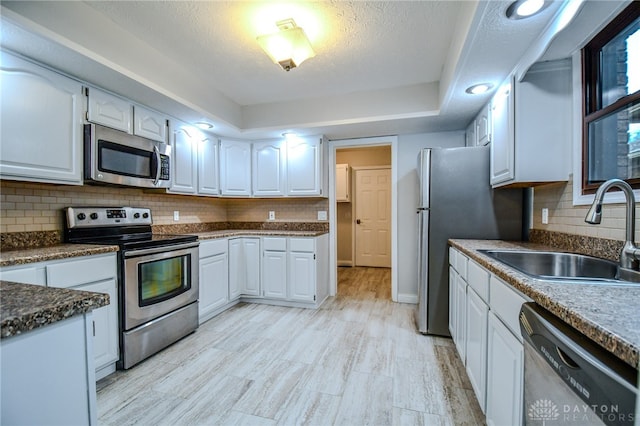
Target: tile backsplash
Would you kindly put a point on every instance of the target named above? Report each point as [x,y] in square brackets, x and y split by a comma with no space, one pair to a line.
[567,218]
[28,207]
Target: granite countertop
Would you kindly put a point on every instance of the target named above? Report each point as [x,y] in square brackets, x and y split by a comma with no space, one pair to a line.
[608,315]
[255,232]
[26,306]
[59,251]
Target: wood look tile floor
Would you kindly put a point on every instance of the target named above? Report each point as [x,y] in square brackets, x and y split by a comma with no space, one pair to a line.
[357,360]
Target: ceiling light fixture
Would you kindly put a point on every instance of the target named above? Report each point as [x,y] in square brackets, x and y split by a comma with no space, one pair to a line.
[521,9]
[478,89]
[204,125]
[289,47]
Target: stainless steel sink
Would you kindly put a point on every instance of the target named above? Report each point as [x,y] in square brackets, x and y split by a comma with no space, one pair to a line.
[565,266]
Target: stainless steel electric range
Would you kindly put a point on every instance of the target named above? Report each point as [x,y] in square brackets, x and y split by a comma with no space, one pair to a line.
[158,277]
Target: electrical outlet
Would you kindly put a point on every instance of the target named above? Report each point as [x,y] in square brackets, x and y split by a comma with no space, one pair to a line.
[545,216]
[176,215]
[272,215]
[322,215]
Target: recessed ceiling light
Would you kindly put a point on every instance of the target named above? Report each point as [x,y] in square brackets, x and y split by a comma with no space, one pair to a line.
[204,125]
[478,89]
[521,9]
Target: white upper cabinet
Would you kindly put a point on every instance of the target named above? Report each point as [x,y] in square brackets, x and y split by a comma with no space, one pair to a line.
[343,183]
[41,131]
[208,165]
[305,166]
[121,114]
[531,127]
[235,168]
[150,124]
[483,126]
[184,162]
[470,135]
[268,168]
[109,110]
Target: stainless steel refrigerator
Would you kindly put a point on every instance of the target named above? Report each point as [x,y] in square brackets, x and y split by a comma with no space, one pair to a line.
[456,201]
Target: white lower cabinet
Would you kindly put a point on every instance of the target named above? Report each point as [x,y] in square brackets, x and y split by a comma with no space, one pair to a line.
[214,278]
[489,343]
[476,348]
[302,276]
[274,267]
[244,267]
[89,273]
[505,375]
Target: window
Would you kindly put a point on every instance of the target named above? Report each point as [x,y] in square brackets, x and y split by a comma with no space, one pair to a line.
[611,99]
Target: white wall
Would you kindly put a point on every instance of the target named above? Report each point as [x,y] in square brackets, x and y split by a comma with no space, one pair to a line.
[407,190]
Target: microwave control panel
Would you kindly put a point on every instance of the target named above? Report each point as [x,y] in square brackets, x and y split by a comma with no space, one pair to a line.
[164,167]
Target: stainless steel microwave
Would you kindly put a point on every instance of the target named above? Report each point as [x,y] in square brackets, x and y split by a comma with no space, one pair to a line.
[115,157]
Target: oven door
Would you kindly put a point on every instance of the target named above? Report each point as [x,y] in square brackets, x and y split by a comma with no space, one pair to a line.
[157,281]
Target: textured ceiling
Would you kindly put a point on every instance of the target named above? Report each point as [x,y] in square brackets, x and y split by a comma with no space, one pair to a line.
[381,67]
[358,45]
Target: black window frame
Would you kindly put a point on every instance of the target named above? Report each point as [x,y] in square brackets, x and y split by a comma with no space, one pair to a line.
[591,90]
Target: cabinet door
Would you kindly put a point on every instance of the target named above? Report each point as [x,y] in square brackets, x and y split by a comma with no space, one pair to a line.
[214,284]
[237,267]
[105,324]
[268,168]
[476,347]
[504,375]
[41,131]
[235,168]
[274,274]
[150,124]
[184,162]
[109,110]
[301,278]
[503,135]
[452,302]
[483,126]
[304,166]
[251,284]
[470,136]
[343,183]
[208,177]
[461,311]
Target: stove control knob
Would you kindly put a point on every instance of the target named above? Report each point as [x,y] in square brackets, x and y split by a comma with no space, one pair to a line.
[81,216]
[145,215]
[136,215]
[93,216]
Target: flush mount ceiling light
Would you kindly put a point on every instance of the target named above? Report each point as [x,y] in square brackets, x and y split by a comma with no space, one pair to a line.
[204,125]
[521,9]
[289,47]
[478,89]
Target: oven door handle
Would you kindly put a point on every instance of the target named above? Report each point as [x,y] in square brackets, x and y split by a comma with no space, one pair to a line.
[163,249]
[156,151]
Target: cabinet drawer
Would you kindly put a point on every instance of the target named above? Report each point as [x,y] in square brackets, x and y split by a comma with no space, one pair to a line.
[274,243]
[213,247]
[506,303]
[302,244]
[478,279]
[71,273]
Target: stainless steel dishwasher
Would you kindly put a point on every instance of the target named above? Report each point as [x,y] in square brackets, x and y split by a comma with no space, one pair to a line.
[568,379]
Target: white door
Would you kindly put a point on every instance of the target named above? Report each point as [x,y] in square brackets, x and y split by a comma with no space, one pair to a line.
[208,177]
[373,217]
[149,124]
[214,284]
[304,166]
[111,111]
[251,284]
[301,279]
[274,274]
[235,168]
[237,267]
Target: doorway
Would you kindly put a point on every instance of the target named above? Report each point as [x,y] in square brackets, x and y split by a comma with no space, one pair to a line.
[363,216]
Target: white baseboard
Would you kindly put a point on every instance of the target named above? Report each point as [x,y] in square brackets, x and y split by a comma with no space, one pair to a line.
[408,298]
[348,263]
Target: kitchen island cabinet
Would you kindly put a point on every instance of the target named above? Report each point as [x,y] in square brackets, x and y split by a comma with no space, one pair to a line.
[48,375]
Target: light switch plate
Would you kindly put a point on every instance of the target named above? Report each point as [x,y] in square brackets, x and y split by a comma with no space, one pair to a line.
[322,215]
[272,215]
[176,215]
[545,216]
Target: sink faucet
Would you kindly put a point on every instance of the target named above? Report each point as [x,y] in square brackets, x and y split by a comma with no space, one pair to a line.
[630,252]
